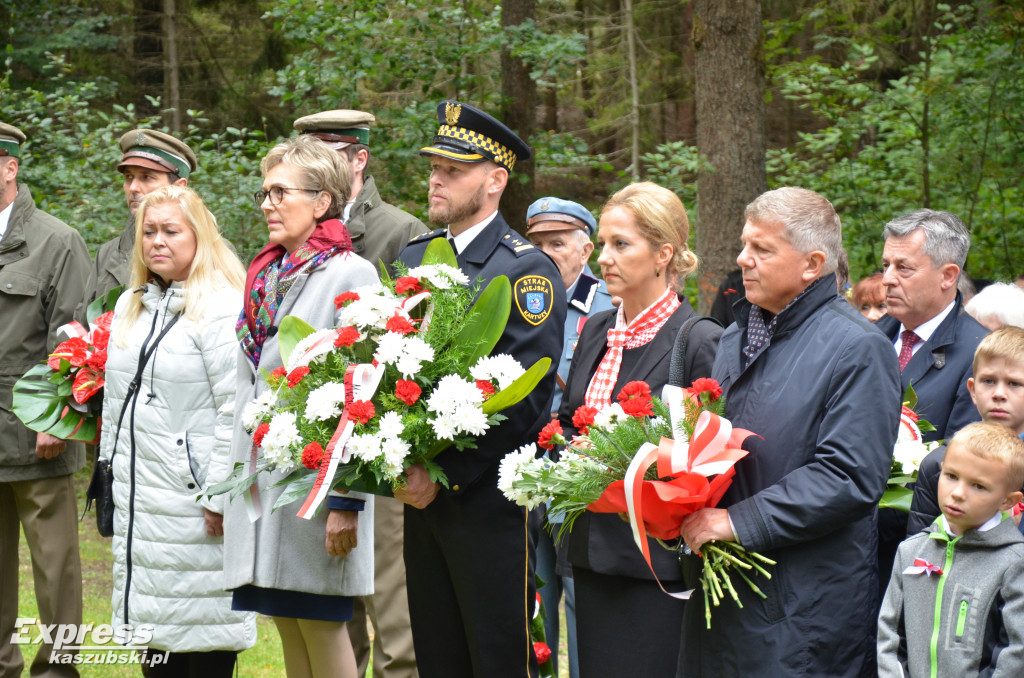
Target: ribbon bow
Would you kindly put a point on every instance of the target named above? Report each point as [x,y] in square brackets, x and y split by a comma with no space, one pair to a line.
[922,566]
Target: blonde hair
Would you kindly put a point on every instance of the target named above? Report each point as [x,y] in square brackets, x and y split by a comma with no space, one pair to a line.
[1006,343]
[994,443]
[321,169]
[214,266]
[661,220]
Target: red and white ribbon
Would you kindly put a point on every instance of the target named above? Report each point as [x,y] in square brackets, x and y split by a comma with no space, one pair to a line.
[922,566]
[73,330]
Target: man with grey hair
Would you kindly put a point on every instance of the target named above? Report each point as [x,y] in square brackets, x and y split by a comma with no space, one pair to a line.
[819,386]
[932,335]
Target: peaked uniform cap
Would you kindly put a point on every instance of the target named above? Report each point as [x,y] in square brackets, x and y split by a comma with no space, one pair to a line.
[11,139]
[555,214]
[342,127]
[158,151]
[468,134]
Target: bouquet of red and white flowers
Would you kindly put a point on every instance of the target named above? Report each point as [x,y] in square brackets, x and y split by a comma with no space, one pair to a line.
[406,374]
[654,460]
[907,455]
[64,395]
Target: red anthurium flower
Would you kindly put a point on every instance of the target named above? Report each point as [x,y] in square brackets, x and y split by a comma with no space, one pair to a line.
[407,391]
[99,338]
[709,386]
[486,387]
[344,298]
[583,418]
[361,411]
[407,283]
[74,350]
[346,336]
[400,325]
[551,435]
[87,383]
[261,431]
[542,651]
[103,321]
[296,375]
[97,362]
[312,455]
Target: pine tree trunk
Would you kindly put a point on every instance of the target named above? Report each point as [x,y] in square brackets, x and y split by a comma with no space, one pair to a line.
[147,51]
[518,111]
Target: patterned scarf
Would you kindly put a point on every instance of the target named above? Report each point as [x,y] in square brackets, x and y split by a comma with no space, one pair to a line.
[640,331]
[271,275]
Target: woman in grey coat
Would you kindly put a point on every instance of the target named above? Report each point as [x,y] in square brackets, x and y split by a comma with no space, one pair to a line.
[303,573]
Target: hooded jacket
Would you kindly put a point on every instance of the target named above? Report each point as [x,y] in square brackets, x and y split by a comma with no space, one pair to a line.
[966,621]
[173,441]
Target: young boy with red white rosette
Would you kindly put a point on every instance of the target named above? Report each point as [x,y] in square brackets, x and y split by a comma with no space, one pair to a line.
[955,602]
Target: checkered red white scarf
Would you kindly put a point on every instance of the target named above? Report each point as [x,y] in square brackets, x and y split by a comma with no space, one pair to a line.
[641,330]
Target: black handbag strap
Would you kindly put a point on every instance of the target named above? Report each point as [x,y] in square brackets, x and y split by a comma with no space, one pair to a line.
[678,367]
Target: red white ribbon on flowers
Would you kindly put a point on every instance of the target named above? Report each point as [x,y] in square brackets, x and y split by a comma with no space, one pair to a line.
[408,304]
[253,505]
[73,330]
[922,566]
[361,383]
[906,422]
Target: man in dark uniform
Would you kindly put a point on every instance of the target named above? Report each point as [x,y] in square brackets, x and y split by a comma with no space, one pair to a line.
[467,549]
[151,160]
[379,231]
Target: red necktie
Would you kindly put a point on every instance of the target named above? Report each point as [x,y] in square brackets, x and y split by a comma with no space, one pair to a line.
[907,351]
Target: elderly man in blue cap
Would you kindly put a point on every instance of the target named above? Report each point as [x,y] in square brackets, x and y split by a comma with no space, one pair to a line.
[563,229]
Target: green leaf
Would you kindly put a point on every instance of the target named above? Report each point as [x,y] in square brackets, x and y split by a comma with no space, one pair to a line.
[910,397]
[486,320]
[897,498]
[518,389]
[439,251]
[101,305]
[292,331]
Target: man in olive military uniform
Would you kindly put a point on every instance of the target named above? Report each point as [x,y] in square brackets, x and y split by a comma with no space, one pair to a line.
[468,551]
[379,232]
[43,265]
[151,160]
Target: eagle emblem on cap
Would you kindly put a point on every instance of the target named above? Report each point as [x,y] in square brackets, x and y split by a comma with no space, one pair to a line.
[140,139]
[452,113]
[544,206]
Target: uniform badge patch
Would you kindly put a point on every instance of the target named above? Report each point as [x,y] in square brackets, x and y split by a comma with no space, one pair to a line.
[534,296]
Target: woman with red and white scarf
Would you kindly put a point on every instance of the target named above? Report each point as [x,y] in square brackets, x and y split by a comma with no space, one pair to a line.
[623,619]
[303,573]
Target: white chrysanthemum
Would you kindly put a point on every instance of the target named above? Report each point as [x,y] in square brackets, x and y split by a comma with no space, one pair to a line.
[376,304]
[444,426]
[390,348]
[395,451]
[415,353]
[325,402]
[440,276]
[365,447]
[451,392]
[609,417]
[510,474]
[282,435]
[910,454]
[257,410]
[391,425]
[470,419]
[298,357]
[503,368]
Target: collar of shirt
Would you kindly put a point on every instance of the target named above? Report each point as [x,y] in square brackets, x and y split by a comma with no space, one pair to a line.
[5,218]
[924,331]
[984,527]
[464,239]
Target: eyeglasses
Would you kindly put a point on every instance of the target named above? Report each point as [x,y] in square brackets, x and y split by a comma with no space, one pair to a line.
[276,194]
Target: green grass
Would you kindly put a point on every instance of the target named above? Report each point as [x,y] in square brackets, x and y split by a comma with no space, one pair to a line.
[262,661]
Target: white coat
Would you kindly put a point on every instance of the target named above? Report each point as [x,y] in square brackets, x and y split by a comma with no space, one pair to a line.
[173,443]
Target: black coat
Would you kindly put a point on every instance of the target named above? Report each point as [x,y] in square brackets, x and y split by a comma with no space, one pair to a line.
[824,399]
[604,542]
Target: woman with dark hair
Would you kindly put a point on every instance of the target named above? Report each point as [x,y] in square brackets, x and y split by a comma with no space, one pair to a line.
[623,619]
[303,573]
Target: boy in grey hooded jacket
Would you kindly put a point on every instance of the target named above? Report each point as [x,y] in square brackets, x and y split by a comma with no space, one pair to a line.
[955,602]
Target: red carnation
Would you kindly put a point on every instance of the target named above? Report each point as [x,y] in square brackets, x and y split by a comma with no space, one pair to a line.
[550,435]
[399,325]
[542,651]
[583,418]
[909,413]
[296,375]
[74,350]
[261,430]
[361,411]
[346,336]
[312,455]
[344,298]
[634,389]
[486,387]
[97,362]
[278,372]
[709,386]
[407,283]
[407,391]
[636,399]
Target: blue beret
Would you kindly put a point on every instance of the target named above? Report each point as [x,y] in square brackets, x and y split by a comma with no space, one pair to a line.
[468,134]
[555,214]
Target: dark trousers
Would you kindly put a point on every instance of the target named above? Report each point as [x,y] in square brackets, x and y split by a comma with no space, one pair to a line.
[469,570]
[214,664]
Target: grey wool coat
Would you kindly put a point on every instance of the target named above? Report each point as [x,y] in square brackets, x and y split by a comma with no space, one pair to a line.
[281,550]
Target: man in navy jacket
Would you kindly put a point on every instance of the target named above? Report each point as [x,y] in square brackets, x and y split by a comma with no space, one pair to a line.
[820,386]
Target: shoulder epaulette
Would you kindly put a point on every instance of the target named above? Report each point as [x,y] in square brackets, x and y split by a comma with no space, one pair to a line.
[423,237]
[517,244]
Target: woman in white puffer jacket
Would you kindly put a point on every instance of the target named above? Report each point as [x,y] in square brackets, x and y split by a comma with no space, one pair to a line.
[167,422]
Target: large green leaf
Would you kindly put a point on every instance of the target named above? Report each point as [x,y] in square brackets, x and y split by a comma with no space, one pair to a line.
[101,305]
[439,251]
[518,389]
[486,320]
[897,498]
[292,331]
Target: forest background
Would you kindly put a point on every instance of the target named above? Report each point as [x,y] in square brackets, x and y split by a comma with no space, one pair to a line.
[883,106]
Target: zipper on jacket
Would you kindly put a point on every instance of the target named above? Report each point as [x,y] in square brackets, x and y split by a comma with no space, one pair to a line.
[961,619]
[933,649]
